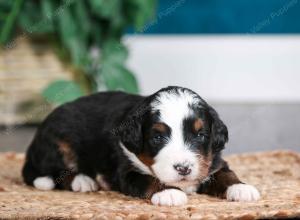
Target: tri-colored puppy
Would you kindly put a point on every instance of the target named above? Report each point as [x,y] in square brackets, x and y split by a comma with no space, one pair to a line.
[159,147]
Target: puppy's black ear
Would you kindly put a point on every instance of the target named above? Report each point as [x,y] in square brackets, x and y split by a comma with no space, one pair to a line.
[219,132]
[130,130]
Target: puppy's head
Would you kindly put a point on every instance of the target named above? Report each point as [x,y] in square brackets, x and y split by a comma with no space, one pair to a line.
[175,136]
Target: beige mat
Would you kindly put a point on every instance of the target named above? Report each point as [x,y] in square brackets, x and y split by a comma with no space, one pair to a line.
[275,174]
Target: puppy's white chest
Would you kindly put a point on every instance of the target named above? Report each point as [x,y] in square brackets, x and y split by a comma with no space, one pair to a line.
[190,189]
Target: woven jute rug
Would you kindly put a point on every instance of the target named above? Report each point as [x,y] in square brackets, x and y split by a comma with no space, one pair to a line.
[276,174]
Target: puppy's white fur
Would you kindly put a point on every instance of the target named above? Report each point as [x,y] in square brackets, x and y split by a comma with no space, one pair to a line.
[44,183]
[242,193]
[169,197]
[83,183]
[173,109]
[190,190]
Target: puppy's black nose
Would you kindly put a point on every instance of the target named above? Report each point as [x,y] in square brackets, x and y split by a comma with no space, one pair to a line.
[182,169]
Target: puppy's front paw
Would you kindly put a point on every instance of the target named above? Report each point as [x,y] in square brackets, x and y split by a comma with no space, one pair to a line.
[242,192]
[83,183]
[169,197]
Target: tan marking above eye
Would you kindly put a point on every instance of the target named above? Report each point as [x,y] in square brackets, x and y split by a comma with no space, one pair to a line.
[160,127]
[198,124]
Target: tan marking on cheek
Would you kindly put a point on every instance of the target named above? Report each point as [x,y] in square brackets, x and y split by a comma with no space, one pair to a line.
[204,165]
[198,124]
[160,127]
[69,157]
[147,160]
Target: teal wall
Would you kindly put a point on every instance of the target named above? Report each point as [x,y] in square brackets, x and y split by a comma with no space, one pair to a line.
[226,17]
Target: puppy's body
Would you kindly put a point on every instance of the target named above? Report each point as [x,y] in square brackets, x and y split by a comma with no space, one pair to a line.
[79,137]
[158,147]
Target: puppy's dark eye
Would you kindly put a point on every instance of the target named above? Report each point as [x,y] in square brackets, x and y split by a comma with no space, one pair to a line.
[157,139]
[201,137]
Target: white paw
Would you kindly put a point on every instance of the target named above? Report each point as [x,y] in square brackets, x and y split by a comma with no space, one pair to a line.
[169,197]
[242,192]
[44,183]
[83,183]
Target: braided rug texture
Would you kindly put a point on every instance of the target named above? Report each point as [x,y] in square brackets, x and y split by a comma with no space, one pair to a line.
[276,174]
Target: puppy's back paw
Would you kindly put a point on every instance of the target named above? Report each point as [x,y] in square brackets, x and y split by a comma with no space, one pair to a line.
[242,192]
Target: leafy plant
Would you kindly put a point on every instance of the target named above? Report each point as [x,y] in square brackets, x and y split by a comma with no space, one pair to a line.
[86,33]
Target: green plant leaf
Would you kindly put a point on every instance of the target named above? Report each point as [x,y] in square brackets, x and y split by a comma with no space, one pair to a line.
[9,22]
[6,5]
[67,28]
[82,18]
[106,8]
[30,17]
[114,52]
[71,38]
[114,75]
[117,77]
[61,91]
[48,16]
[138,12]
[79,26]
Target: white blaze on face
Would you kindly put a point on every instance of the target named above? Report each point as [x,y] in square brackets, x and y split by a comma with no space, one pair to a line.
[174,108]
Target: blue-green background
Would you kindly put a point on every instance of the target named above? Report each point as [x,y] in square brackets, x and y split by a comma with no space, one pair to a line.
[225,17]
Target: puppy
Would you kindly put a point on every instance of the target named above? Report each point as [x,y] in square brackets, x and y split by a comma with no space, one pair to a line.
[159,147]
